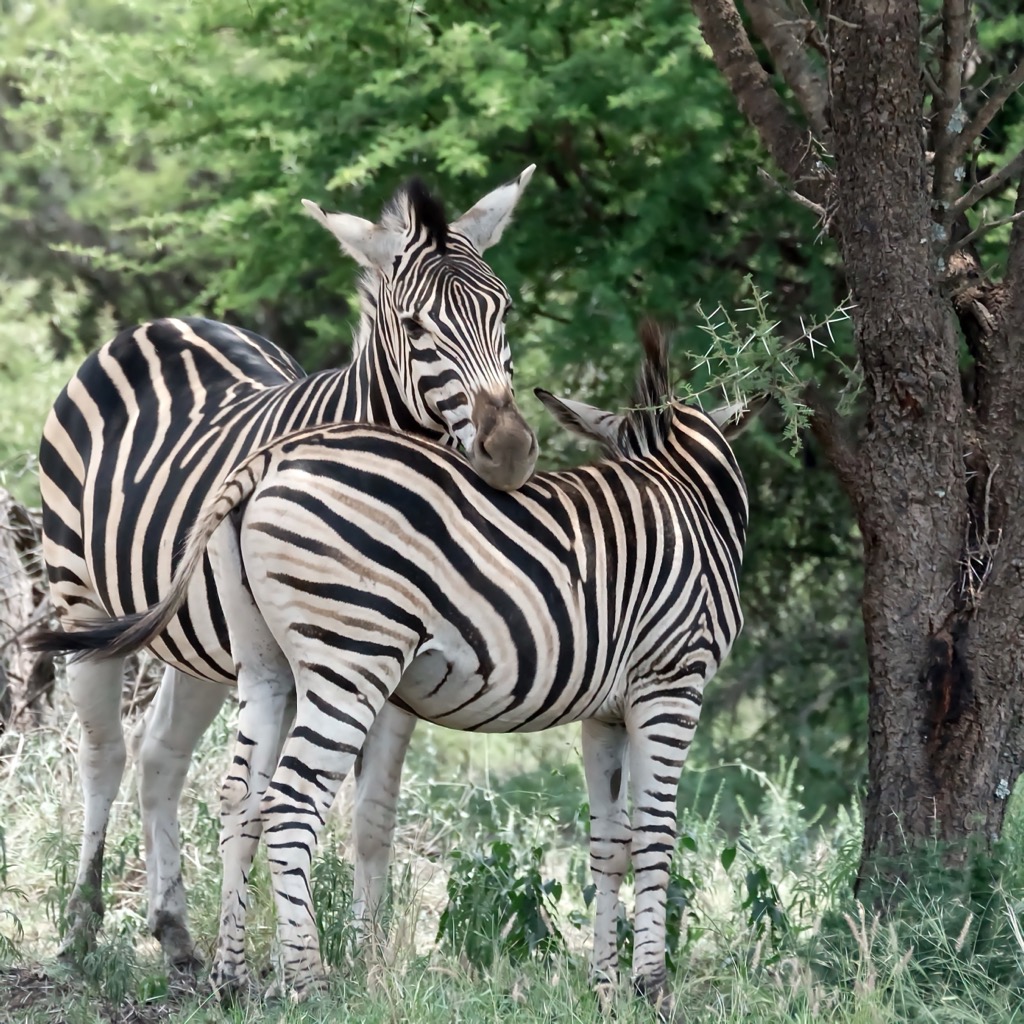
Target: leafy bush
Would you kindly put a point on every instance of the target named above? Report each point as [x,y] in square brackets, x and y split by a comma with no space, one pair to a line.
[332,890]
[500,905]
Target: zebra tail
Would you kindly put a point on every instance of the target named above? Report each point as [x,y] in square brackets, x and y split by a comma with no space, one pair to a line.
[123,635]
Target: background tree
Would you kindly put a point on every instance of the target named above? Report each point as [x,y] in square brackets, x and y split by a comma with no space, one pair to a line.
[885,126]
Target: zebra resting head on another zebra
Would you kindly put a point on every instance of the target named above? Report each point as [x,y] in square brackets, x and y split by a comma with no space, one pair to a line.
[446,304]
[155,420]
[375,567]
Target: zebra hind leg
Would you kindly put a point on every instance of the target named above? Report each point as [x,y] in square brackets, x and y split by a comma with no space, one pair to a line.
[180,713]
[604,748]
[265,703]
[378,779]
[95,690]
[660,733]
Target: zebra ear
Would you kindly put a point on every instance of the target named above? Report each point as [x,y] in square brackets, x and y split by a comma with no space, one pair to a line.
[484,223]
[585,420]
[734,417]
[367,243]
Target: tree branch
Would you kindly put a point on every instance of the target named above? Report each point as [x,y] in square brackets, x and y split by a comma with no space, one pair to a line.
[778,29]
[989,109]
[944,129]
[819,211]
[1014,279]
[983,229]
[790,147]
[989,185]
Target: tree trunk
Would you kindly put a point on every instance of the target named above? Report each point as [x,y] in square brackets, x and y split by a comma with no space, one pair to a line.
[937,474]
[942,597]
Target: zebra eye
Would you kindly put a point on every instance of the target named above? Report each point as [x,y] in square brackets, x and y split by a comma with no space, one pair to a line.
[504,316]
[413,328]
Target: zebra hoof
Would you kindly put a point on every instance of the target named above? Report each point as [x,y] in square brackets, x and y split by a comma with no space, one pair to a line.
[298,990]
[605,991]
[84,917]
[176,942]
[229,982]
[655,990]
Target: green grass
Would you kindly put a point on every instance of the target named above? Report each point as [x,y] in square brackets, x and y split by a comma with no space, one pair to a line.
[769,930]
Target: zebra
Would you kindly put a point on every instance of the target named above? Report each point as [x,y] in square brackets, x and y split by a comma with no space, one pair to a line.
[156,419]
[373,567]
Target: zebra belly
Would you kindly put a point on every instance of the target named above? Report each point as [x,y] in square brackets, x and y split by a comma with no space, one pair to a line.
[447,687]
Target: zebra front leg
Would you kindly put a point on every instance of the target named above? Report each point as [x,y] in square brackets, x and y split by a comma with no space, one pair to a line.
[604,747]
[265,705]
[660,733]
[336,707]
[378,779]
[95,690]
[180,713]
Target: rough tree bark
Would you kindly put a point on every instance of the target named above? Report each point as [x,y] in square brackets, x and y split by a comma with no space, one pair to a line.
[936,473]
[26,680]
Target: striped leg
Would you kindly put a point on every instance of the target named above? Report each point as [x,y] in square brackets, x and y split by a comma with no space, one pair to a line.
[180,713]
[604,748]
[95,689]
[660,733]
[378,778]
[265,709]
[336,706]
[265,705]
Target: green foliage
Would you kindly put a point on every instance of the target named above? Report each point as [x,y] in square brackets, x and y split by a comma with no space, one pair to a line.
[332,889]
[767,917]
[59,854]
[499,904]
[220,116]
[29,375]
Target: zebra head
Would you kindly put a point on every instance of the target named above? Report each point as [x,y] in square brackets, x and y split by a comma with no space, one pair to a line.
[434,320]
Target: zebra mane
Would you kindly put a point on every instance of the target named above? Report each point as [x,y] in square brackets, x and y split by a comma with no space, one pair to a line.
[414,200]
[645,427]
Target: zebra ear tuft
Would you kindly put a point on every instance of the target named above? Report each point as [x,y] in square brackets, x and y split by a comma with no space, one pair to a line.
[369,244]
[484,224]
[584,420]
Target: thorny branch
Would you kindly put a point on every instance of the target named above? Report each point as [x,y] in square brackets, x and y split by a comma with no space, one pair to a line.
[989,109]
[947,100]
[784,35]
[983,229]
[791,147]
[819,211]
[991,184]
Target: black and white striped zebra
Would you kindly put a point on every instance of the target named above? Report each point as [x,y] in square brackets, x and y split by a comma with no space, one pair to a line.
[152,423]
[376,567]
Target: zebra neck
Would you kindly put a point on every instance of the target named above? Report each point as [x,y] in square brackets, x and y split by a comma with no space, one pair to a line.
[375,394]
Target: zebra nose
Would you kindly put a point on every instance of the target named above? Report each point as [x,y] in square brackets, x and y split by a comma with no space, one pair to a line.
[505,448]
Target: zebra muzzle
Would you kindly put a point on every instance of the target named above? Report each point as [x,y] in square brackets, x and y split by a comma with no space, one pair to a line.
[504,450]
